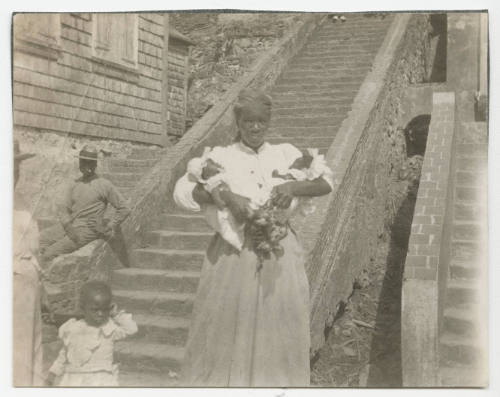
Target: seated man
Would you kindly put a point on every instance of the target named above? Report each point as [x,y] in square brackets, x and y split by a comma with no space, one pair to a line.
[81,213]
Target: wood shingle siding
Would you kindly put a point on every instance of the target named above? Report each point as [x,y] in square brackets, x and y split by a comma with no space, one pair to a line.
[80,92]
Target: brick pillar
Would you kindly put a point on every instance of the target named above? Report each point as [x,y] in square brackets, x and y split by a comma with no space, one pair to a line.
[427,257]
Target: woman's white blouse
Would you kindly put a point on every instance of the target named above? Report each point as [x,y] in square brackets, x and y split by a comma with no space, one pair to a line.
[248,173]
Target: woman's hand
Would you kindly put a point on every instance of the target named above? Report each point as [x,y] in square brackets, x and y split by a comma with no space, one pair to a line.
[238,205]
[283,194]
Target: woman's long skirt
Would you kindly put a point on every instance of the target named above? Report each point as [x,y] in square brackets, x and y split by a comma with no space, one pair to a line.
[250,327]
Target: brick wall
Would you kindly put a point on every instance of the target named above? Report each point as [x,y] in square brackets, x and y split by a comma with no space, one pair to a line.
[426,267]
[428,221]
[75,92]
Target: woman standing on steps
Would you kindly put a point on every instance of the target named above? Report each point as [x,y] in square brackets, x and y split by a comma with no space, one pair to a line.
[250,324]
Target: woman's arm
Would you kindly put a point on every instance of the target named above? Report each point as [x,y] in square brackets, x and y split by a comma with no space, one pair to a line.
[316,187]
[284,193]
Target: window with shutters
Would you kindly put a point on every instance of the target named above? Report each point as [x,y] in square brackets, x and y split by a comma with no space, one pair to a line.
[115,39]
[38,34]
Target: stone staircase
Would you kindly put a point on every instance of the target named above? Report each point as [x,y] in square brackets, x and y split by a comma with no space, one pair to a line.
[125,173]
[462,349]
[160,293]
[311,99]
[316,90]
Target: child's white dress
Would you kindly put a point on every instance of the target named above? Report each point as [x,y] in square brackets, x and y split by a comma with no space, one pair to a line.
[86,358]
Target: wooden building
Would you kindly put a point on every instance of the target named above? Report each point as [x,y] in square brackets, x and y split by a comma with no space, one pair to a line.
[119,76]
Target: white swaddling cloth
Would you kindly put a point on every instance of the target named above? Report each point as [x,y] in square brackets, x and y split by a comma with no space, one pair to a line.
[224,223]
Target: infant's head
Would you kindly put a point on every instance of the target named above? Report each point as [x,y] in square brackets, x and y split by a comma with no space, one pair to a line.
[302,162]
[95,302]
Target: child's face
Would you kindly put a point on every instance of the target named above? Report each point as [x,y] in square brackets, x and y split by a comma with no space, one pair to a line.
[96,309]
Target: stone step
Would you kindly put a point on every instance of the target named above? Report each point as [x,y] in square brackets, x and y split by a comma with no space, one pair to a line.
[323,38]
[462,376]
[312,142]
[464,270]
[465,250]
[178,304]
[146,379]
[146,163]
[357,23]
[161,329]
[139,153]
[128,169]
[461,320]
[474,132]
[183,223]
[321,75]
[322,80]
[178,240]
[337,51]
[472,150]
[474,164]
[349,40]
[458,348]
[156,279]
[304,132]
[287,92]
[306,121]
[461,291]
[469,179]
[311,111]
[353,26]
[341,64]
[333,61]
[286,101]
[466,231]
[156,258]
[469,194]
[125,177]
[468,212]
[152,358]
[348,87]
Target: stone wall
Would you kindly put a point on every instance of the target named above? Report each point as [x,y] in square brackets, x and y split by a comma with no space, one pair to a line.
[426,267]
[366,156]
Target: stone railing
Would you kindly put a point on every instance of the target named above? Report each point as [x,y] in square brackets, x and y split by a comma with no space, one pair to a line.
[426,266]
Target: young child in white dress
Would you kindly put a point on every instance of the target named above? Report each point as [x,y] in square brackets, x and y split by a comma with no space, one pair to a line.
[86,358]
[211,175]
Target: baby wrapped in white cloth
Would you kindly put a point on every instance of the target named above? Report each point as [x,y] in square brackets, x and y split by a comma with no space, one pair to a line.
[212,176]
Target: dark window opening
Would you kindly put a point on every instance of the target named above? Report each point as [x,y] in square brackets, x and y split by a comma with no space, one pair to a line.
[439,44]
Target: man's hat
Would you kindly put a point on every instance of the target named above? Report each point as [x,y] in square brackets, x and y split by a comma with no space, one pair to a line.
[18,156]
[88,152]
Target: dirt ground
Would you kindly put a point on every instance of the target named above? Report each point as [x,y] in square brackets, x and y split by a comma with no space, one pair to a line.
[363,347]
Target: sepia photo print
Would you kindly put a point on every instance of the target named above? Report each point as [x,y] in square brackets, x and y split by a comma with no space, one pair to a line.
[250,199]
